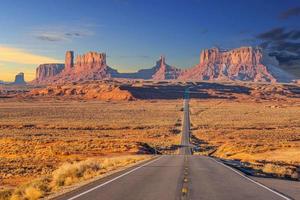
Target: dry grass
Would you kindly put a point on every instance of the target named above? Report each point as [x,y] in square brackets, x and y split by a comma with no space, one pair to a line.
[35,136]
[66,175]
[263,133]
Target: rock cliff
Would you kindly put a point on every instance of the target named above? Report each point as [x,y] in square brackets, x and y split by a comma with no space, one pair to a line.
[245,64]
[69,61]
[89,66]
[46,72]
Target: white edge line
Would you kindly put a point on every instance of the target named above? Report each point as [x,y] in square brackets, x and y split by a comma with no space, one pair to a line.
[107,182]
[253,181]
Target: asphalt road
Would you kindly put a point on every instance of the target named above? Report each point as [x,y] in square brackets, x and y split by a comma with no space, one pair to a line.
[183,176]
[185,133]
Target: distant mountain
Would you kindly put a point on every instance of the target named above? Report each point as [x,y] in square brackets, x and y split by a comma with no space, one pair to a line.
[238,64]
[243,64]
[46,72]
[19,79]
[89,66]
[92,66]
[161,71]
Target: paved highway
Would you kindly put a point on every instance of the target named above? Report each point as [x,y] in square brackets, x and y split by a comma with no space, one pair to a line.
[183,176]
[185,136]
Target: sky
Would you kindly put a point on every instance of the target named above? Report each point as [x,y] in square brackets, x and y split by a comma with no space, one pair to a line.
[134,33]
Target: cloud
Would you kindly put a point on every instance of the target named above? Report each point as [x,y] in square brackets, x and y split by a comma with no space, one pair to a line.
[20,56]
[62,33]
[281,43]
[290,13]
[279,34]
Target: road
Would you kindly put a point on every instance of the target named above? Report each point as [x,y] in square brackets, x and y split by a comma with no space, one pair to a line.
[185,137]
[183,176]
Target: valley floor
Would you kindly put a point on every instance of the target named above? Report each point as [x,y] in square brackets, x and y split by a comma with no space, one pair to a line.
[258,124]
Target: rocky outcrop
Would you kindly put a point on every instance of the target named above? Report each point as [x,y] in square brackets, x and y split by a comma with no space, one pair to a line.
[46,72]
[69,61]
[161,71]
[89,66]
[90,61]
[86,90]
[19,79]
[245,64]
[165,71]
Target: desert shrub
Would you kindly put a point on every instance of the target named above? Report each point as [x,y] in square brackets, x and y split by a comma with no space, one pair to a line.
[276,169]
[32,193]
[5,194]
[67,174]
[70,173]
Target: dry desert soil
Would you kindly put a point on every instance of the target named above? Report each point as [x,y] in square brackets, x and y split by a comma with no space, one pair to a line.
[43,128]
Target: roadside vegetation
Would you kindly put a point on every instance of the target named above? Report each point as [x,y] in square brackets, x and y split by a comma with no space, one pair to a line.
[264,134]
[38,136]
[68,174]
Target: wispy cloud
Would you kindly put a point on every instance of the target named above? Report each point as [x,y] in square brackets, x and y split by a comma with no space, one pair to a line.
[20,56]
[290,13]
[62,33]
[280,34]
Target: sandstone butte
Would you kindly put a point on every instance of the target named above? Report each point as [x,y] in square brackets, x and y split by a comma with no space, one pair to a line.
[243,64]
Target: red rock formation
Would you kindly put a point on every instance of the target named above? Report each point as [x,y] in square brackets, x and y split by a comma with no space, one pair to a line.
[243,64]
[89,66]
[164,71]
[86,90]
[90,61]
[161,71]
[46,72]
[69,61]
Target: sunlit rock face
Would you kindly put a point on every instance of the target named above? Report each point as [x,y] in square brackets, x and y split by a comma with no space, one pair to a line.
[165,71]
[90,61]
[46,72]
[244,64]
[89,66]
[69,61]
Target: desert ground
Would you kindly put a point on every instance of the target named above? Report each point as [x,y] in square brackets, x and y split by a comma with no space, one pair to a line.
[266,134]
[253,123]
[37,136]
[44,128]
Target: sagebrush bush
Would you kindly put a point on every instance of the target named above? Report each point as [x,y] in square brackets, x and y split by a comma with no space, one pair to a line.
[32,193]
[5,194]
[70,173]
[67,174]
